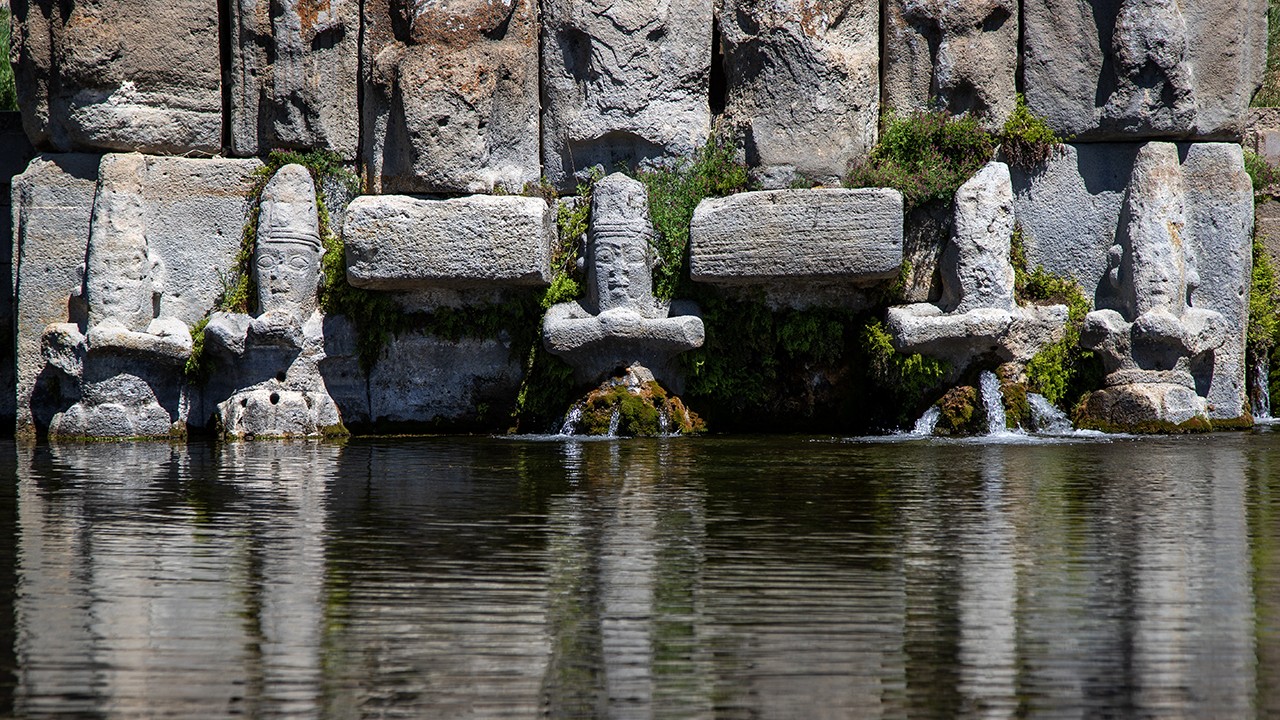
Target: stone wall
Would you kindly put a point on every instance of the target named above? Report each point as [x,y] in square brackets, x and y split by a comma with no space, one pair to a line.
[152,117]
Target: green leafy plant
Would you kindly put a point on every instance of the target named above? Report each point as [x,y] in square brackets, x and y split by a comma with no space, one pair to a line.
[674,193]
[1261,173]
[8,89]
[1026,139]
[926,156]
[572,220]
[907,377]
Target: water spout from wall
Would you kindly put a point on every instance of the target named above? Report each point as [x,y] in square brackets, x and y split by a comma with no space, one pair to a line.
[993,401]
[1260,397]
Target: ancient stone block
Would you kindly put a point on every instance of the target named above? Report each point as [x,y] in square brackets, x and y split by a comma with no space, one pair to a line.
[1108,69]
[623,83]
[52,206]
[398,242]
[119,75]
[423,379]
[1071,214]
[15,154]
[451,95]
[803,85]
[961,55]
[294,76]
[825,234]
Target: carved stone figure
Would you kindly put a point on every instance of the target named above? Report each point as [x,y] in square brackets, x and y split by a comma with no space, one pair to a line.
[977,316]
[1147,333]
[620,322]
[127,365]
[1153,78]
[961,55]
[270,363]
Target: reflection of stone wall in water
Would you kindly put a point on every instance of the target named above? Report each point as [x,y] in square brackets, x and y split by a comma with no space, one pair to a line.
[117,255]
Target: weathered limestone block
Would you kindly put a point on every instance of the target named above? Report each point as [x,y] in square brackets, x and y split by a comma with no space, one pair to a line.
[269,382]
[802,85]
[401,243]
[16,153]
[621,323]
[852,236]
[52,207]
[977,316]
[294,76]
[119,75]
[623,83]
[1144,330]
[1071,214]
[451,95]
[1108,69]
[961,55]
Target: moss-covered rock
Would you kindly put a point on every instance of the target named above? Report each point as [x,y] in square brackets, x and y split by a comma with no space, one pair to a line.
[633,405]
[960,412]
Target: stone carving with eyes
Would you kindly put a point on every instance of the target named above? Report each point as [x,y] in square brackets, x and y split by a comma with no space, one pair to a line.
[1153,79]
[960,55]
[1147,333]
[620,323]
[269,364]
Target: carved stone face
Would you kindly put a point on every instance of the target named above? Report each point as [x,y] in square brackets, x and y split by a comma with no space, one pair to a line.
[623,276]
[968,39]
[121,286]
[287,276]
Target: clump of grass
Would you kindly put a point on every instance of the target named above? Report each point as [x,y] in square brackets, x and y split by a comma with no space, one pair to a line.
[8,88]
[926,156]
[1026,139]
[674,193]
[1261,173]
[572,221]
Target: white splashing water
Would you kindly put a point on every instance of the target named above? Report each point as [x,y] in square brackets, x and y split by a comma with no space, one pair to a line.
[927,422]
[571,420]
[1046,418]
[993,401]
[1261,394]
[613,422]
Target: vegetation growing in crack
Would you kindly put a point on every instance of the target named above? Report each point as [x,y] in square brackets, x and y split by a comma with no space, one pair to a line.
[1026,140]
[926,156]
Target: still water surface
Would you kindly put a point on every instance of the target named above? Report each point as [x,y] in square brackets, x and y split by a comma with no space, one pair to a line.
[713,577]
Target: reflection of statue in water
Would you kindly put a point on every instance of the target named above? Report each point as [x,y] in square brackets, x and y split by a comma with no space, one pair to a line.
[128,365]
[620,322]
[1153,79]
[1150,335]
[272,361]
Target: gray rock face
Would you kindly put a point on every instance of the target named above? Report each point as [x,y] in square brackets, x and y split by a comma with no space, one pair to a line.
[15,154]
[452,95]
[1071,214]
[803,86]
[1143,68]
[269,365]
[1145,332]
[52,206]
[620,322]
[294,76]
[977,316]
[852,236]
[402,243]
[119,75]
[424,379]
[623,83]
[958,54]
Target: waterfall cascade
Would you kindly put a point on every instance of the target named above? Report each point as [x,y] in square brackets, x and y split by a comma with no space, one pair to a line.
[993,401]
[1046,417]
[1260,398]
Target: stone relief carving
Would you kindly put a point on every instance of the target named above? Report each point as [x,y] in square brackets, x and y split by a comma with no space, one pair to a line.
[1148,334]
[1153,79]
[977,315]
[620,322]
[270,363]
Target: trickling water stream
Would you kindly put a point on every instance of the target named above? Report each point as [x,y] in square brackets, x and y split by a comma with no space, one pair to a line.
[1046,417]
[993,401]
[1260,398]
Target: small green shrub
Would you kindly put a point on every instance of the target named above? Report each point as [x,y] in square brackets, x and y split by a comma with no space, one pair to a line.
[907,378]
[8,89]
[1264,302]
[572,221]
[926,156]
[1261,173]
[674,193]
[1026,139]
[198,367]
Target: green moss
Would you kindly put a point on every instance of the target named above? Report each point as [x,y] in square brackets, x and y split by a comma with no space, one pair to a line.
[958,412]
[908,377]
[639,411]
[927,156]
[198,368]
[1062,372]
[1017,410]
[1026,139]
[674,193]
[1151,427]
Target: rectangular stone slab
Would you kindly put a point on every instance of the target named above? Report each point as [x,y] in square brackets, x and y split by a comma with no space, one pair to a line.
[829,234]
[395,242]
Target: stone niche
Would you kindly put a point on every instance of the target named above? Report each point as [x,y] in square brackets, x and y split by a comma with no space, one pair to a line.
[802,85]
[1072,210]
[623,83]
[294,76]
[1122,69]
[451,95]
[961,55]
[119,75]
